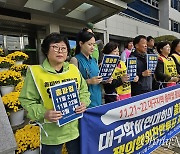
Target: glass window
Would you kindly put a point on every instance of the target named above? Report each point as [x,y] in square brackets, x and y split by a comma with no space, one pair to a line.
[172,3]
[153,3]
[72,44]
[176,29]
[157,5]
[175,4]
[175,26]
[172,25]
[1,41]
[13,43]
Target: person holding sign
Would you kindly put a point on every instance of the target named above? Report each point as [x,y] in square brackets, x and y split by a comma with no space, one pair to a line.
[120,87]
[35,96]
[88,65]
[166,71]
[144,83]
[175,53]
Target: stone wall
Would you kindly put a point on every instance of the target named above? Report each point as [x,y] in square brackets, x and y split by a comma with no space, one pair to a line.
[7,140]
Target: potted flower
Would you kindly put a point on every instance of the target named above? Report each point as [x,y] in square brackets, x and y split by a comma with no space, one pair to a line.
[19,86]
[11,101]
[27,139]
[18,56]
[8,79]
[6,62]
[20,68]
[13,108]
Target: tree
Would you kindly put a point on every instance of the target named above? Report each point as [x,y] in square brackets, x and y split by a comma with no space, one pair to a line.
[168,38]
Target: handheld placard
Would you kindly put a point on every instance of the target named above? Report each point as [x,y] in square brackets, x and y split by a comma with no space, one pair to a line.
[152,60]
[131,67]
[65,99]
[108,65]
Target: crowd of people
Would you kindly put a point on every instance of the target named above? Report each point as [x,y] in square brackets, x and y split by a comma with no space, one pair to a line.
[84,69]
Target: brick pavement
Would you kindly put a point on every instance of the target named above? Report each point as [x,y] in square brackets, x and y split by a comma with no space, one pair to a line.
[172,147]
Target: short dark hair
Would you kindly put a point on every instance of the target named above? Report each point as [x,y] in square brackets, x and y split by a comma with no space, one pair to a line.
[161,45]
[86,29]
[126,44]
[138,38]
[174,45]
[109,47]
[150,38]
[53,38]
[82,36]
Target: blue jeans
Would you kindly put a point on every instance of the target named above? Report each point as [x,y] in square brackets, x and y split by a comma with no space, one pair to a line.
[73,147]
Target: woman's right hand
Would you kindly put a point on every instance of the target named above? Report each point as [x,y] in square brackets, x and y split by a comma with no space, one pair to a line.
[52,115]
[94,80]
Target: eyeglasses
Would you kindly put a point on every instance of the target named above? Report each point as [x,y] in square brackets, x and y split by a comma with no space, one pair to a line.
[58,49]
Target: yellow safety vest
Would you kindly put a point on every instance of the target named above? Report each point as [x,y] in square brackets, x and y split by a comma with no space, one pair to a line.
[177,57]
[169,66]
[44,79]
[118,72]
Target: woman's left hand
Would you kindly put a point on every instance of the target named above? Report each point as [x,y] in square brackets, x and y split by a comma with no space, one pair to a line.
[81,108]
[136,79]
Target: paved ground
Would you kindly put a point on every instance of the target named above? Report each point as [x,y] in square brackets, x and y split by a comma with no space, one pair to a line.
[172,147]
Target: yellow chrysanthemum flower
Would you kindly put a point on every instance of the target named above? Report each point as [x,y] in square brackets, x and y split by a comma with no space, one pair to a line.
[19,86]
[6,62]
[10,78]
[18,55]
[11,101]
[20,68]
[27,138]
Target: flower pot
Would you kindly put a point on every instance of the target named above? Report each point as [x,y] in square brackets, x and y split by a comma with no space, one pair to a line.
[18,62]
[35,151]
[6,89]
[4,69]
[16,118]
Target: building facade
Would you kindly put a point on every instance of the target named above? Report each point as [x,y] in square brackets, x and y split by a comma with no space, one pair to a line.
[24,23]
[146,17]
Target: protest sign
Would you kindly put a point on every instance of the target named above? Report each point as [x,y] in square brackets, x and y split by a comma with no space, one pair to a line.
[65,99]
[108,65]
[136,125]
[152,60]
[131,67]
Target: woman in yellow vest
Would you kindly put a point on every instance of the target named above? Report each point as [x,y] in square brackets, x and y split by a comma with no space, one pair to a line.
[175,53]
[166,71]
[120,87]
[36,99]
